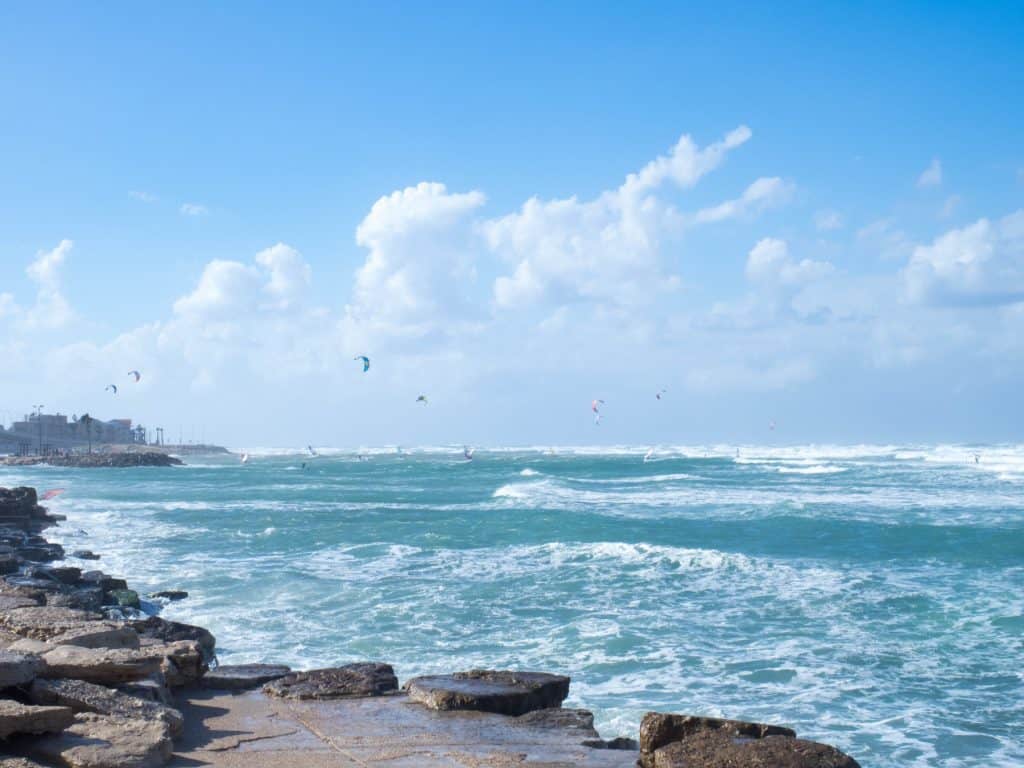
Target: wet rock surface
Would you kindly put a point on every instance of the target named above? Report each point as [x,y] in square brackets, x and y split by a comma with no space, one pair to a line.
[363,679]
[720,750]
[18,668]
[484,690]
[243,677]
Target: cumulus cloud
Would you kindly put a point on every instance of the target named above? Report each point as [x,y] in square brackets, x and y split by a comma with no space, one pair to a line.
[51,309]
[193,209]
[975,265]
[609,249]
[932,175]
[421,265]
[289,274]
[142,197]
[769,263]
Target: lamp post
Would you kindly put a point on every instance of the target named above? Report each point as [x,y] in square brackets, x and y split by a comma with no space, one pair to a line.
[39,420]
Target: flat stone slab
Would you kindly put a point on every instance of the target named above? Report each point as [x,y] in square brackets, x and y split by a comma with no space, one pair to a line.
[81,696]
[96,634]
[99,665]
[484,690]
[13,602]
[44,622]
[242,677]
[22,718]
[362,679]
[711,749]
[18,668]
[229,730]
[104,741]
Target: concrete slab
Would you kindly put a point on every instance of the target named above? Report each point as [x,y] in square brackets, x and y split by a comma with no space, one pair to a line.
[250,730]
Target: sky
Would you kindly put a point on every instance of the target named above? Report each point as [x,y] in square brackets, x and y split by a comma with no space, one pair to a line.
[809,215]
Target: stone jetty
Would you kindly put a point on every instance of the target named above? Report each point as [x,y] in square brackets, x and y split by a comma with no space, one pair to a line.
[96,460]
[88,680]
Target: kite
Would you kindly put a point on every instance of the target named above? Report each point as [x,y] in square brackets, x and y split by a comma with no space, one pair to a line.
[53,493]
[597,413]
[660,393]
[422,399]
[366,362]
[136,374]
[111,387]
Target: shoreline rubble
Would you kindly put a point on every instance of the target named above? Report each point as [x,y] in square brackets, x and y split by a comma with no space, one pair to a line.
[87,680]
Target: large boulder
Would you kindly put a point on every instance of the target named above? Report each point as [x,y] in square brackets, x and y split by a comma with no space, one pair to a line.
[98,634]
[351,680]
[243,677]
[81,696]
[18,668]
[484,690]
[717,749]
[182,662]
[44,622]
[99,665]
[154,628]
[106,741]
[21,718]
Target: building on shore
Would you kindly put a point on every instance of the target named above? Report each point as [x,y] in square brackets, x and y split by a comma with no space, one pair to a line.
[52,432]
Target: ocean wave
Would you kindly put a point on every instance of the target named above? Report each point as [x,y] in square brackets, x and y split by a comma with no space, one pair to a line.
[816,469]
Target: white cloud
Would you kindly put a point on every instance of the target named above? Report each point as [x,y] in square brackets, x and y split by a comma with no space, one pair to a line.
[828,220]
[979,264]
[290,275]
[886,239]
[193,209]
[421,266]
[144,197]
[763,193]
[609,249]
[769,263]
[932,175]
[51,309]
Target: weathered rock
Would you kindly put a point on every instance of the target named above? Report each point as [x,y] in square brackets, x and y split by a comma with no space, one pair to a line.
[99,634]
[18,668]
[657,729]
[9,563]
[170,594]
[718,749]
[83,598]
[581,720]
[103,581]
[19,762]
[106,741]
[153,688]
[126,598]
[11,603]
[85,554]
[21,718]
[63,574]
[182,662]
[242,677]
[119,459]
[155,628]
[44,622]
[99,665]
[351,680]
[502,692]
[29,646]
[81,696]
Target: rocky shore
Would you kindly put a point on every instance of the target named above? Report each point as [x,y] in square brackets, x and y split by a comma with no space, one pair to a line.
[90,460]
[88,680]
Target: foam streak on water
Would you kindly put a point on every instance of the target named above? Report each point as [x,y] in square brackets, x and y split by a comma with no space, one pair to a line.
[869,596]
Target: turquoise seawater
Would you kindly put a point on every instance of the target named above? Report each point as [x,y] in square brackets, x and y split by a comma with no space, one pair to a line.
[869,596]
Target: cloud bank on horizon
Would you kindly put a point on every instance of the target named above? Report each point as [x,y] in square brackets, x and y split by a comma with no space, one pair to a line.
[501,313]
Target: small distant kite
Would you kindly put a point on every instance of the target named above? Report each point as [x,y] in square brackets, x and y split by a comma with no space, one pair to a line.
[136,374]
[422,399]
[594,408]
[311,451]
[366,362]
[52,493]
[660,393]
[110,387]
[648,456]
[245,458]
[468,452]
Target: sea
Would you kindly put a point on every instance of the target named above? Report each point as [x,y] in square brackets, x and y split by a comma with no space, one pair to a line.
[869,596]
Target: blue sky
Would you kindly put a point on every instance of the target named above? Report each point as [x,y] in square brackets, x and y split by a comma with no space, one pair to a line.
[838,245]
